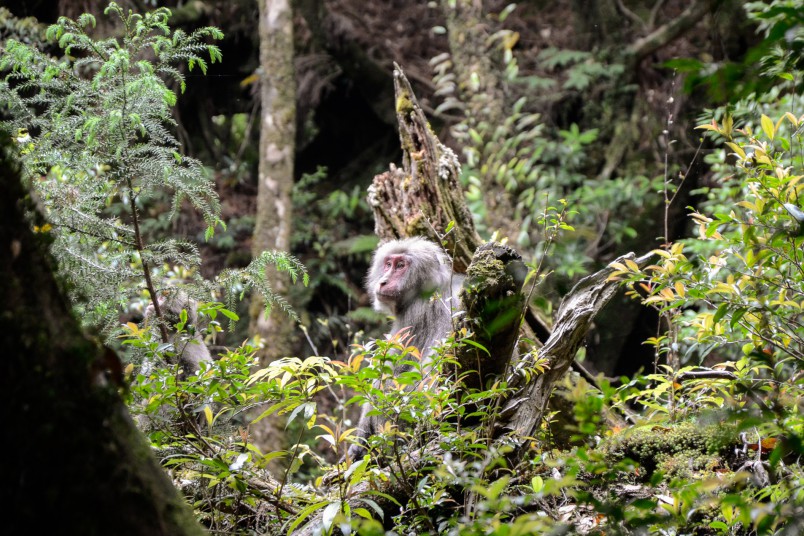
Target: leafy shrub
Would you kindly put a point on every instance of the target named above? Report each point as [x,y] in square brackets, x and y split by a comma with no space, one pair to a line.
[733,303]
[94,134]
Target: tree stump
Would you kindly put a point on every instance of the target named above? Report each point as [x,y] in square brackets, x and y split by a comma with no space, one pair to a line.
[493,305]
[423,197]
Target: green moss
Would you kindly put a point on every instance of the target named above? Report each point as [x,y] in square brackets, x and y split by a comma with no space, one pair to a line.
[486,268]
[404,104]
[680,450]
[415,226]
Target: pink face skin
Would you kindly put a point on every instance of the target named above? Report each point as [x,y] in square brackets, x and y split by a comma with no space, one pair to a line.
[390,286]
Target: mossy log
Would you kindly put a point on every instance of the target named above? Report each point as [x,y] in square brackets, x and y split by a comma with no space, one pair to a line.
[493,305]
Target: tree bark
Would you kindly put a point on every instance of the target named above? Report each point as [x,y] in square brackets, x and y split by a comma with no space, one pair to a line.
[331,32]
[478,82]
[273,226]
[572,322]
[669,32]
[493,302]
[475,63]
[424,197]
[77,464]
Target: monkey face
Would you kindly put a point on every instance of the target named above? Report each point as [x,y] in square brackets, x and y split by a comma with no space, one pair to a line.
[404,275]
[392,284]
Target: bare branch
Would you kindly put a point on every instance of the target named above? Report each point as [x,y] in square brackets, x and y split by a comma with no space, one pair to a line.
[672,30]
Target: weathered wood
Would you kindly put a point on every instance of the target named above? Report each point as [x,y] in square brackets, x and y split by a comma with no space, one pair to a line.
[493,305]
[525,410]
[424,196]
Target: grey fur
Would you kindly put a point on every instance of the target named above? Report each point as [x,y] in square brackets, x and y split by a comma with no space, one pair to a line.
[423,305]
[189,346]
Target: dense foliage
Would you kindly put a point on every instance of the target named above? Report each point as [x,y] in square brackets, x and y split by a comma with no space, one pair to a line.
[94,130]
[707,442]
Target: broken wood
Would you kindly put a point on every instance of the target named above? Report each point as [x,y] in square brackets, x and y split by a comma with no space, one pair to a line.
[493,303]
[424,196]
[575,315]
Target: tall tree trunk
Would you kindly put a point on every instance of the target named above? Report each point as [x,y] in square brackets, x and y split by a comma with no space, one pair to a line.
[77,464]
[480,90]
[277,149]
[478,80]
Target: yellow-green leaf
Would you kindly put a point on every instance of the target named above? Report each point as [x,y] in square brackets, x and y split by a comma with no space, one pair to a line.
[737,149]
[708,127]
[728,123]
[632,265]
[304,514]
[680,289]
[767,126]
[779,122]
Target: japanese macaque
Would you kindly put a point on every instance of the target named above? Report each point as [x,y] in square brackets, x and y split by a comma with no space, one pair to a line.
[188,346]
[412,280]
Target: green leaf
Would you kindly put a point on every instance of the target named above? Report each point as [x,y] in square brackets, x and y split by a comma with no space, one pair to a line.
[229,314]
[362,512]
[687,65]
[736,316]
[308,409]
[644,504]
[506,11]
[470,342]
[721,312]
[332,510]
[304,514]
[767,126]
[374,506]
[357,470]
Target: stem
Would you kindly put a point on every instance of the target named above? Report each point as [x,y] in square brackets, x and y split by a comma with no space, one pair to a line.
[404,481]
[132,197]
[287,471]
[146,271]
[99,236]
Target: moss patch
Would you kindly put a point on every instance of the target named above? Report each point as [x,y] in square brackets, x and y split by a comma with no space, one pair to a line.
[681,450]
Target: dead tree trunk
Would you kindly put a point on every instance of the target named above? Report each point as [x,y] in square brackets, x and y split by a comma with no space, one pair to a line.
[424,197]
[493,302]
[578,309]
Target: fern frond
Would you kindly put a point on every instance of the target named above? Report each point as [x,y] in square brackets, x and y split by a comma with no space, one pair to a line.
[237,282]
[103,142]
